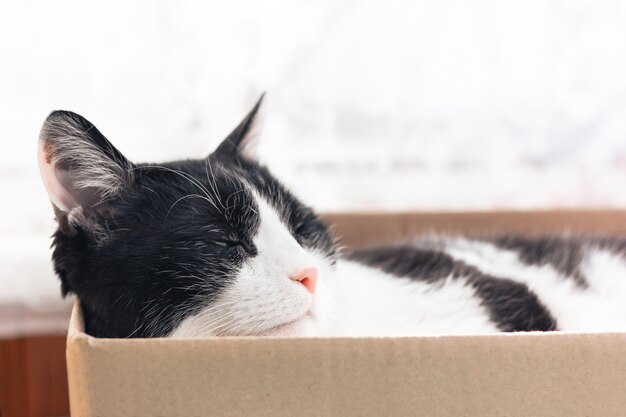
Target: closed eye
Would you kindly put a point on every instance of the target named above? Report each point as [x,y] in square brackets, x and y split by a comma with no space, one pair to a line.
[227,243]
[231,244]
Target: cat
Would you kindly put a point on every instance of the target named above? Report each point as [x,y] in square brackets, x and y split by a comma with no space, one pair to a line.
[218,246]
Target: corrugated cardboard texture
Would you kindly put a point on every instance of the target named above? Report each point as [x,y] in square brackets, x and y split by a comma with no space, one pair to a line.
[507,375]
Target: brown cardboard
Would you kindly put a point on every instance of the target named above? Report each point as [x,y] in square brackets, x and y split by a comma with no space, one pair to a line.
[359,229]
[505,375]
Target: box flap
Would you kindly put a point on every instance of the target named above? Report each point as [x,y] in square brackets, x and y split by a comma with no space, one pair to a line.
[359,229]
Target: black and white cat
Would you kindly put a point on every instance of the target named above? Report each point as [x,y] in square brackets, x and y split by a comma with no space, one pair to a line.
[218,246]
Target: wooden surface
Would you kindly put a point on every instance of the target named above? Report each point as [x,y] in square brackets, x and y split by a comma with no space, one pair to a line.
[19,320]
[33,379]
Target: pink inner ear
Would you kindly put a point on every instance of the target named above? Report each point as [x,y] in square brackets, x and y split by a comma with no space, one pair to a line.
[59,195]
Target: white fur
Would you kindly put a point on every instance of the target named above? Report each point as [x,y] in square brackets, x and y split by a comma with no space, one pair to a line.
[368,302]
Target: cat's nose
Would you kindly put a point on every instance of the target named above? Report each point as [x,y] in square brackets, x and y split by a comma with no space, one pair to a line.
[306,277]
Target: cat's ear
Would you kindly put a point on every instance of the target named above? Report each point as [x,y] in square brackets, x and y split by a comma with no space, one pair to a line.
[80,168]
[242,140]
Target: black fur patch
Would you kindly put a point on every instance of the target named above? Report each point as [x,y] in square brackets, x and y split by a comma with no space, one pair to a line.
[407,261]
[512,305]
[565,255]
[613,244]
[166,252]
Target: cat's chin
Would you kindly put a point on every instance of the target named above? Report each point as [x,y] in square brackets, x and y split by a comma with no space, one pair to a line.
[299,327]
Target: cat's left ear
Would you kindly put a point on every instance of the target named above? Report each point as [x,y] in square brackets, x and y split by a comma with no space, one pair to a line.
[80,168]
[242,140]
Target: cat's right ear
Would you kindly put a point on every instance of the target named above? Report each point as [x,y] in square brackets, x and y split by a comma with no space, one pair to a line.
[80,168]
[242,140]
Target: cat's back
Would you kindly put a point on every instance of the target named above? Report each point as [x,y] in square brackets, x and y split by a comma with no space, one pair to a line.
[501,283]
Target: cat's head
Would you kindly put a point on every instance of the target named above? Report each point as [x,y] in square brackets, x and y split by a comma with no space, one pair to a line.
[210,246]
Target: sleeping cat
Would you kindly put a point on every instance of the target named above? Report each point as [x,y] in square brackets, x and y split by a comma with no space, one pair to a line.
[217,246]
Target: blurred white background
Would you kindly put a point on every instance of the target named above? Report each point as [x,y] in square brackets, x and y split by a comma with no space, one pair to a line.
[372,105]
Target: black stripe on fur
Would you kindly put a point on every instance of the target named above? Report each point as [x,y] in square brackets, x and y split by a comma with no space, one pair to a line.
[512,305]
[563,254]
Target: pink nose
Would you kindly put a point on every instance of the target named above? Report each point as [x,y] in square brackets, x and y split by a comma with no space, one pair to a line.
[306,277]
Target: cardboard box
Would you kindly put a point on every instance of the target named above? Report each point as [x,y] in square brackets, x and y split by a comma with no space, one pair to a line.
[504,375]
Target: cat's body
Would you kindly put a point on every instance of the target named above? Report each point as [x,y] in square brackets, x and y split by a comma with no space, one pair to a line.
[217,246]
